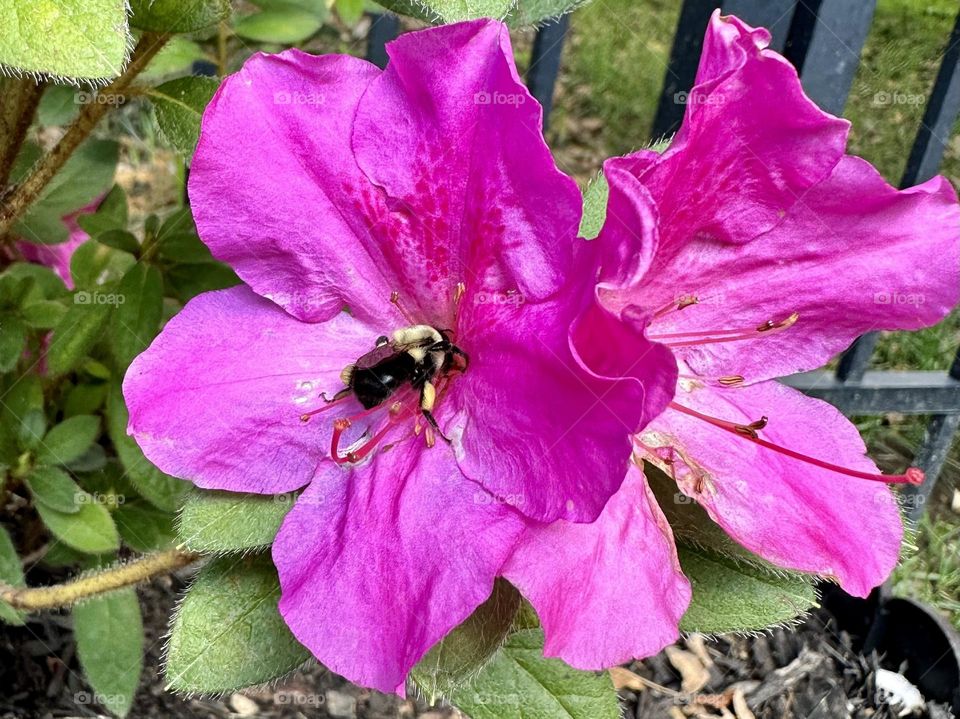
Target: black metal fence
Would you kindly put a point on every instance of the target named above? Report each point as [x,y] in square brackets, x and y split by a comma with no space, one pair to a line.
[824,40]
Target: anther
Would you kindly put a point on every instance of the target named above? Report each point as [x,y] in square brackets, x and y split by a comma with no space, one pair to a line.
[731,381]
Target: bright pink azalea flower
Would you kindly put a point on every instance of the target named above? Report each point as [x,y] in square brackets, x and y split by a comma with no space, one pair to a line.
[326,183]
[758,248]
[57,257]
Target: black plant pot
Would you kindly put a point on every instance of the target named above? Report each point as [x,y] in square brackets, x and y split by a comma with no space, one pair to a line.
[906,634]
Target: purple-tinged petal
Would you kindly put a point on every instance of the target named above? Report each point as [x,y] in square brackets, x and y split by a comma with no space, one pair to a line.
[551,398]
[854,255]
[609,591]
[379,563]
[277,194]
[217,397]
[750,145]
[454,138]
[790,512]
[57,257]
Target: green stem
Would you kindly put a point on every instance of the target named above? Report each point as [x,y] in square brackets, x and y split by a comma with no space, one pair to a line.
[117,577]
[21,197]
[21,97]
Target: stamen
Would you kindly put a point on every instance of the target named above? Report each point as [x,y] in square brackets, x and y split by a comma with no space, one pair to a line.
[330,404]
[676,305]
[395,299]
[913,475]
[704,337]
[728,381]
[459,292]
[731,381]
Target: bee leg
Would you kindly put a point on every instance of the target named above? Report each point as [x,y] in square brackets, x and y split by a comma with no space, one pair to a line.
[428,395]
[338,396]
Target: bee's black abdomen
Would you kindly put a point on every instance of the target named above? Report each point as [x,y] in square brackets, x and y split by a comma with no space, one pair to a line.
[374,385]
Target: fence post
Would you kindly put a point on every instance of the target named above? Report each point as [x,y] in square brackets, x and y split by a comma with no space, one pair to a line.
[545,63]
[775,15]
[384,27]
[825,43]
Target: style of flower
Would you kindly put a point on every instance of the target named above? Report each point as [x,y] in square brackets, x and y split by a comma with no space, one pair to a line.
[433,213]
[753,247]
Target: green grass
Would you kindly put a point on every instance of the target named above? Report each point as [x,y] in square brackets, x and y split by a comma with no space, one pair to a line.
[613,73]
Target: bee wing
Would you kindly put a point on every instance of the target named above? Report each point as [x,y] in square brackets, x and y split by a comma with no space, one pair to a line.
[375,356]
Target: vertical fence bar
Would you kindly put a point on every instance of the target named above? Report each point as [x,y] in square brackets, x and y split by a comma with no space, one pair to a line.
[384,27]
[775,15]
[825,43]
[943,107]
[545,63]
[682,65]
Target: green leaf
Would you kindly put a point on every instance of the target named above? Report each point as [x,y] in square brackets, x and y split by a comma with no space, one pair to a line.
[84,177]
[136,320]
[143,527]
[179,105]
[90,530]
[519,13]
[13,342]
[44,315]
[68,440]
[119,240]
[65,38]
[161,490]
[56,489]
[58,105]
[350,11]
[109,634]
[283,25]
[730,596]
[111,214]
[230,522]
[537,12]
[45,279]
[84,399]
[11,572]
[31,429]
[190,280]
[75,335]
[176,57]
[594,207]
[95,268]
[460,655]
[519,683]
[227,632]
[177,16]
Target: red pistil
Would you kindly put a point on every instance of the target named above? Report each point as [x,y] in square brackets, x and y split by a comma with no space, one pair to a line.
[704,337]
[398,412]
[749,432]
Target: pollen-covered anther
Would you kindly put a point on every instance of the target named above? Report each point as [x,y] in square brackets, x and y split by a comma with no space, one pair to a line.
[341,424]
[459,292]
[781,325]
[751,430]
[687,301]
[731,380]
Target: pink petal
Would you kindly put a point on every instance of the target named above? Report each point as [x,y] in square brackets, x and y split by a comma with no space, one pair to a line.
[854,255]
[379,563]
[606,592]
[277,194]
[551,397]
[57,257]
[454,138]
[217,397]
[750,145]
[791,513]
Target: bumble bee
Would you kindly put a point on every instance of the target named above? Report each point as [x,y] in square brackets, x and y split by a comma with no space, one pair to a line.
[414,355]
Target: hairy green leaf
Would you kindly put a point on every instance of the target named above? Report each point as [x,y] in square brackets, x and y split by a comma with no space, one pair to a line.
[179,105]
[177,16]
[109,634]
[91,530]
[227,632]
[11,572]
[56,489]
[230,521]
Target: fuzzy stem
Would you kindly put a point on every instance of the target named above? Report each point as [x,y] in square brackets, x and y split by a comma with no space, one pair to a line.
[22,196]
[91,585]
[21,97]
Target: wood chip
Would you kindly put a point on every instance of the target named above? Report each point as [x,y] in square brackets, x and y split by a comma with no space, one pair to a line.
[694,676]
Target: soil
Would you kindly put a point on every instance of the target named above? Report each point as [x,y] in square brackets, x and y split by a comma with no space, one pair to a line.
[808,672]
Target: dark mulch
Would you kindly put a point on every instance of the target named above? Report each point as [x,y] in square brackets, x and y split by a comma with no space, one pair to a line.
[807,672]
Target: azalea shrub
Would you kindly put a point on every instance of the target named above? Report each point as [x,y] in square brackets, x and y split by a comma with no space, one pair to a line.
[411,404]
